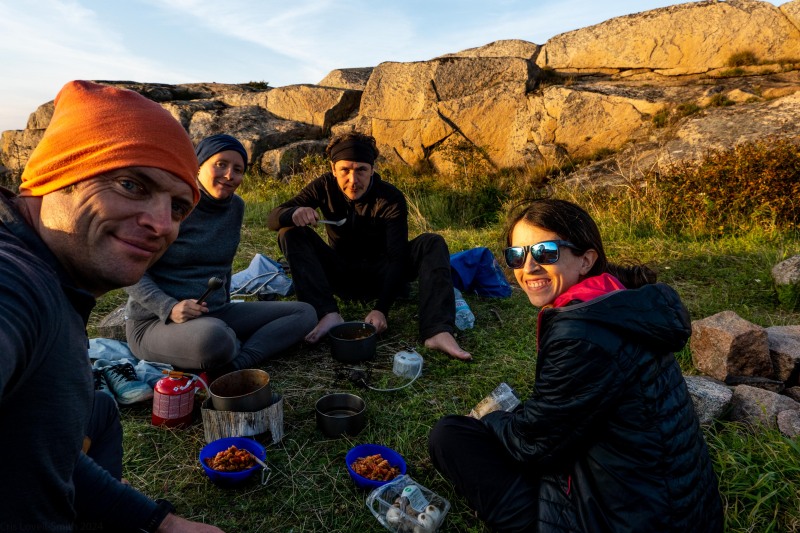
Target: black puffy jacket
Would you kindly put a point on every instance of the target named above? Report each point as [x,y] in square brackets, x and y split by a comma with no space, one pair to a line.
[610,428]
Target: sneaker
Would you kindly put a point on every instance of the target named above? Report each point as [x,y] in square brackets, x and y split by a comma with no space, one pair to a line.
[100,382]
[121,378]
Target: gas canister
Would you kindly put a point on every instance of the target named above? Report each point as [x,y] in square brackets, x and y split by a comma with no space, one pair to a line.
[173,399]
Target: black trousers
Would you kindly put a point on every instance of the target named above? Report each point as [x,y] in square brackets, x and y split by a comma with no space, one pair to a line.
[319,273]
[465,452]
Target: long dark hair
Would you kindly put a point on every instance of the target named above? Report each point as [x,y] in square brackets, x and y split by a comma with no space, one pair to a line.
[573,224]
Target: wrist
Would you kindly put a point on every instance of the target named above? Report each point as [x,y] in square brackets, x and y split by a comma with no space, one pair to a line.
[163,508]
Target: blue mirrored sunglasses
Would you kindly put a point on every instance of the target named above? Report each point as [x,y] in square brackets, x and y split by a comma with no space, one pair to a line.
[544,253]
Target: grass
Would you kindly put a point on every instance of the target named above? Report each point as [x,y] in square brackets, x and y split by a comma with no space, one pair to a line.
[309,490]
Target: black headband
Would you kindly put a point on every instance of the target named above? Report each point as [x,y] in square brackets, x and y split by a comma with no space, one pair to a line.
[353,150]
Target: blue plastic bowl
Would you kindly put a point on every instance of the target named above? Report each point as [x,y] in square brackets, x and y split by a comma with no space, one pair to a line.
[229,479]
[364,450]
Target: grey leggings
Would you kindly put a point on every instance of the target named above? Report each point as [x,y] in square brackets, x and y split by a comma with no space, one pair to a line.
[240,335]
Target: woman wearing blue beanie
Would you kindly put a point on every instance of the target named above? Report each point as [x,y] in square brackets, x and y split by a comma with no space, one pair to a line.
[165,321]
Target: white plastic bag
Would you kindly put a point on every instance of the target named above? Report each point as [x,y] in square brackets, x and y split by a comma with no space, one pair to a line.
[263,277]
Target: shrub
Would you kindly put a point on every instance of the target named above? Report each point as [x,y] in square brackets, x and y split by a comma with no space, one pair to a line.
[754,183]
[258,84]
[661,118]
[742,58]
[720,100]
[687,108]
[666,116]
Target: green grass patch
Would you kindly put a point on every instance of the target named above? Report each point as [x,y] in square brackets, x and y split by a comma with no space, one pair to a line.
[732,72]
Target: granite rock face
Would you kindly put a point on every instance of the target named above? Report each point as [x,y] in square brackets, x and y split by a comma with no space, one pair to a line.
[516,104]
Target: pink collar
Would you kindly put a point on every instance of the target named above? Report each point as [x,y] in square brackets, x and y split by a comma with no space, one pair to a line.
[589,289]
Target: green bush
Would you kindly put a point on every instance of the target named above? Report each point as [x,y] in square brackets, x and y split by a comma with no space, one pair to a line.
[754,183]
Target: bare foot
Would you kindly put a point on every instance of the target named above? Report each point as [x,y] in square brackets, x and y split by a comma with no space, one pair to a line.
[445,342]
[323,326]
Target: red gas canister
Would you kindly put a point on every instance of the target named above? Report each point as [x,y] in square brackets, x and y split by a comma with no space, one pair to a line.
[173,400]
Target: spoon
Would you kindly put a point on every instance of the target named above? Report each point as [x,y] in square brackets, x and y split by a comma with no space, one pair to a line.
[333,222]
[257,460]
[214,283]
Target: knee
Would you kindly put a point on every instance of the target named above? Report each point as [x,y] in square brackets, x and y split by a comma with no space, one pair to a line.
[292,236]
[216,346]
[306,315]
[444,433]
[105,413]
[431,244]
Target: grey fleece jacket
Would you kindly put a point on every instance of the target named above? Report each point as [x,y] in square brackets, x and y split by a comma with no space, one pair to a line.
[205,247]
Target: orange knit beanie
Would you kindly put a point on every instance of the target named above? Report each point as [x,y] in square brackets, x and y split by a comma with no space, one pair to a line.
[98,128]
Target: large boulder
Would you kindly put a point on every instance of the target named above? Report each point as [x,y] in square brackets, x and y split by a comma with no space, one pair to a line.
[789,423]
[683,39]
[502,48]
[413,108]
[756,406]
[584,122]
[711,398]
[784,349]
[319,106]
[347,78]
[16,147]
[254,126]
[287,160]
[726,345]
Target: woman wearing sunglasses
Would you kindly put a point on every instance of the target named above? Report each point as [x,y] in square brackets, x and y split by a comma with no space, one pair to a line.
[608,439]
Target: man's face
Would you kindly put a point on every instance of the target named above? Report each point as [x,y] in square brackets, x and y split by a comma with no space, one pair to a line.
[108,230]
[353,177]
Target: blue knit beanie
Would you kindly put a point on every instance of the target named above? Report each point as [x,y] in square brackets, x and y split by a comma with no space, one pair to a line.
[216,144]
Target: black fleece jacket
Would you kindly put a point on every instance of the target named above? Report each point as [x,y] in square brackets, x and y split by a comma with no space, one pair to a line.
[376,231]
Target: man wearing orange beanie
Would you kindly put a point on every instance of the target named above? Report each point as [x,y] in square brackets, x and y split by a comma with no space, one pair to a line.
[102,197]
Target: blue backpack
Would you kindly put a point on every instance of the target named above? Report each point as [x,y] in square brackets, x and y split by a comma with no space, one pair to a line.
[477,270]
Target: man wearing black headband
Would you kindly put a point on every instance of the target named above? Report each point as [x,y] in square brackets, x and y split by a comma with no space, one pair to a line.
[369,256]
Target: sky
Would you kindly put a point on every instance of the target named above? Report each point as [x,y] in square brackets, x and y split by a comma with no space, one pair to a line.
[46,43]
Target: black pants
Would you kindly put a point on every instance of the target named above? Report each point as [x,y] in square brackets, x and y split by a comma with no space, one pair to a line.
[319,273]
[481,470]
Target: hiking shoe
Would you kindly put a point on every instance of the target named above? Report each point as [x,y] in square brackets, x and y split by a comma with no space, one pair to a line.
[121,378]
[100,382]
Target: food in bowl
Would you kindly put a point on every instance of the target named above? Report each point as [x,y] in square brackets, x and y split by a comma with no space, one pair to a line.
[375,467]
[231,460]
[231,478]
[394,460]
